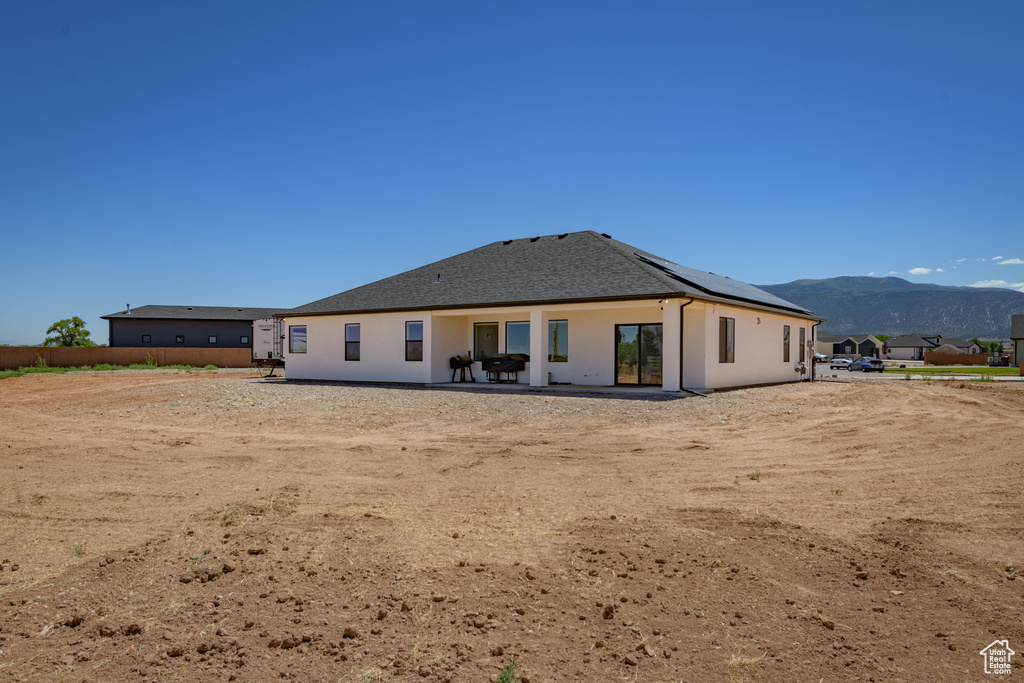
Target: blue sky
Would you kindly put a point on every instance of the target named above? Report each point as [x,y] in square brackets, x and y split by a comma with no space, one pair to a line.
[270,153]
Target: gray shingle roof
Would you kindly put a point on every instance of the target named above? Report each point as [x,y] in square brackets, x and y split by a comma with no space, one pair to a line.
[957,343]
[909,340]
[1017,327]
[829,338]
[577,266]
[196,313]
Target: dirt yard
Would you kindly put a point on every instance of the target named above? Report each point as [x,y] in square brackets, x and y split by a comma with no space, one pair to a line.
[226,528]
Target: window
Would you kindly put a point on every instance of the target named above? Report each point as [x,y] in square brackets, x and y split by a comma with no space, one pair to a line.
[352,341]
[244,339]
[179,339]
[517,338]
[726,340]
[146,339]
[485,340]
[296,339]
[803,344]
[414,340]
[785,343]
[558,341]
[213,339]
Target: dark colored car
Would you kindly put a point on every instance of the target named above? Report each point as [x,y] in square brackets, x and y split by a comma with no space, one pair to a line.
[867,365]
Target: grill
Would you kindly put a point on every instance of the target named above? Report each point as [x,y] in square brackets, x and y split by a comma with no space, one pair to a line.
[508,363]
[461,363]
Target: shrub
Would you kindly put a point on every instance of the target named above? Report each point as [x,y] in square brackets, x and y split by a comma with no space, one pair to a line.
[107,366]
[508,673]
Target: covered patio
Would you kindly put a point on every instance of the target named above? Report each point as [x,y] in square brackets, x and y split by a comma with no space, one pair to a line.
[629,345]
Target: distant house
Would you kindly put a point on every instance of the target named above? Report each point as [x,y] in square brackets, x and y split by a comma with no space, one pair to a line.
[961,345]
[185,326]
[1017,337]
[577,308]
[912,346]
[853,345]
[947,349]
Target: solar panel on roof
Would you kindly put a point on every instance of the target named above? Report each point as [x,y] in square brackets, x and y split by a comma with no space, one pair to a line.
[717,284]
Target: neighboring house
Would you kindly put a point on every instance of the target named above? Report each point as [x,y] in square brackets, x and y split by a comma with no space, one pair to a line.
[961,345]
[583,308]
[947,349]
[912,346]
[1017,337]
[853,345]
[186,326]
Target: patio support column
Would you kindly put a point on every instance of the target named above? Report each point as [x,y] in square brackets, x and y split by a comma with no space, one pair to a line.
[538,348]
[671,341]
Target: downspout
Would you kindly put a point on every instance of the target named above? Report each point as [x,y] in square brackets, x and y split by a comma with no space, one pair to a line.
[690,391]
[814,349]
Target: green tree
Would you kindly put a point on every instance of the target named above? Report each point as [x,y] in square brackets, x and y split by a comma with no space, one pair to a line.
[68,332]
[883,337]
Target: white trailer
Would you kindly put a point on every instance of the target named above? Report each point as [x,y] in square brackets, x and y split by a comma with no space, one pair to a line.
[268,343]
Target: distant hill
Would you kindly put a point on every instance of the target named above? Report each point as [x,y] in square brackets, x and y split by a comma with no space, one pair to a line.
[891,305]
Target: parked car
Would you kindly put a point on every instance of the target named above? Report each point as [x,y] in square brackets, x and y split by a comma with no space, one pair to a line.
[867,365]
[820,357]
[839,362]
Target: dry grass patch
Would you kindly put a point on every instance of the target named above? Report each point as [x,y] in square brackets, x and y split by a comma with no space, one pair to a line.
[372,675]
[741,667]
[238,515]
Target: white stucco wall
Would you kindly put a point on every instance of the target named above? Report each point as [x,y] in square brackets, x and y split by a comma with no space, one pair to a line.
[759,352]
[381,353]
[451,338]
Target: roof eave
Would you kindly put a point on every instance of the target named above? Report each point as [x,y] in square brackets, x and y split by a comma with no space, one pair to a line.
[548,302]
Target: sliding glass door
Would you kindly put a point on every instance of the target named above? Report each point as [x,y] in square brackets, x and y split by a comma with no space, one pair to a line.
[638,354]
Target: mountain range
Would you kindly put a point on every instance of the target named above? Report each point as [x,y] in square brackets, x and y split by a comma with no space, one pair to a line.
[893,306]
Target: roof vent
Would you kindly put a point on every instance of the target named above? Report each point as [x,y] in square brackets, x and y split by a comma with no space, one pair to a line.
[507,242]
[127,309]
[438,280]
[534,239]
[239,310]
[563,235]
[190,308]
[604,234]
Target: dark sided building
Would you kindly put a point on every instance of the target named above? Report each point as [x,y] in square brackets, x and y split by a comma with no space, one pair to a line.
[186,326]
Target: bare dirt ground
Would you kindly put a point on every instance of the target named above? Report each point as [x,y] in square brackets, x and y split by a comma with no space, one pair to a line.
[217,528]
